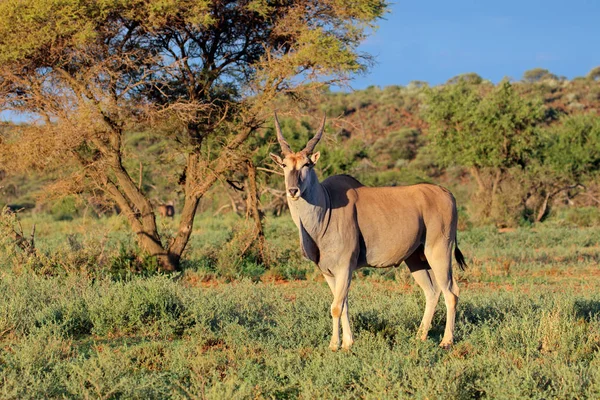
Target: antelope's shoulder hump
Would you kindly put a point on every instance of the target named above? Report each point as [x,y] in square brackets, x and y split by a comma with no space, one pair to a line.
[342,180]
[341,189]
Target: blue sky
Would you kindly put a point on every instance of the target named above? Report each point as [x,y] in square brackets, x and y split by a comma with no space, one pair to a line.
[433,41]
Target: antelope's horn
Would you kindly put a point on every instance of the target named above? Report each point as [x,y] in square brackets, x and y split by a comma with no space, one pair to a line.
[310,146]
[285,147]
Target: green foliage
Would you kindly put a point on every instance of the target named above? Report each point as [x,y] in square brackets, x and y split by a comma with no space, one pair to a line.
[495,132]
[474,129]
[339,160]
[43,33]
[398,146]
[572,147]
[128,262]
[28,27]
[237,258]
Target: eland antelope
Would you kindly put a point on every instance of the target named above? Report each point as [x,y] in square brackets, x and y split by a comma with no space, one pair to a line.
[167,210]
[345,225]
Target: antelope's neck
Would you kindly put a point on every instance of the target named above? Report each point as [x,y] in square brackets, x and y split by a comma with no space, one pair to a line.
[311,210]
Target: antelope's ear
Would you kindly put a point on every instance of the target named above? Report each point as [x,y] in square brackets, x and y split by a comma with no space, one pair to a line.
[314,157]
[276,158]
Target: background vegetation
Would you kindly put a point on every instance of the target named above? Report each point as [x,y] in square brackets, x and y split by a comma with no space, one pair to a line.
[511,152]
[201,74]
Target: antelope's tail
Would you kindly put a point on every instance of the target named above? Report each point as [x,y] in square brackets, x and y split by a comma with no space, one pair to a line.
[458,255]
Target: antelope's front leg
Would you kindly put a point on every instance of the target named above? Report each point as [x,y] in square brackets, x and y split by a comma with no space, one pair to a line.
[339,308]
[335,337]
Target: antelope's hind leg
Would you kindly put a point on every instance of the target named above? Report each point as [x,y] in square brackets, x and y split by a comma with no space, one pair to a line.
[439,256]
[347,338]
[421,271]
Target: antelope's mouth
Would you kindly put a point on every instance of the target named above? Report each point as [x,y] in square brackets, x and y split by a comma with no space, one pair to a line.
[294,198]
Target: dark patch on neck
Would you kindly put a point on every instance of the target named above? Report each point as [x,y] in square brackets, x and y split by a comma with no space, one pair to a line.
[310,250]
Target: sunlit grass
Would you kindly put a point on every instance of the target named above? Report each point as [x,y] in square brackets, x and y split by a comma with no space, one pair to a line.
[528,324]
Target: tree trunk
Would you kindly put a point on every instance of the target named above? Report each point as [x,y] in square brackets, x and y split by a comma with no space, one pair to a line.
[186,224]
[497,180]
[477,175]
[196,186]
[483,192]
[253,210]
[143,212]
[139,210]
[147,238]
[543,208]
[495,187]
[190,206]
[549,196]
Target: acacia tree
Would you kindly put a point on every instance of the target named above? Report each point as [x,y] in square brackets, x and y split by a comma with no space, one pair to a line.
[488,131]
[199,71]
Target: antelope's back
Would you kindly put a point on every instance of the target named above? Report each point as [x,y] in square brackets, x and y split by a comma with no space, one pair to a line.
[394,221]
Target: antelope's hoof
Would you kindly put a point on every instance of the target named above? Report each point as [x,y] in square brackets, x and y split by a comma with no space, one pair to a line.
[347,345]
[333,346]
[446,345]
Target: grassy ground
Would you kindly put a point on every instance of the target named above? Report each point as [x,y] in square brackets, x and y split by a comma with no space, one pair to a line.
[528,323]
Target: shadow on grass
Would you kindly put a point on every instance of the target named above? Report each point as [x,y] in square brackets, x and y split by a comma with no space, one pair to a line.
[587,309]
[376,323]
[480,314]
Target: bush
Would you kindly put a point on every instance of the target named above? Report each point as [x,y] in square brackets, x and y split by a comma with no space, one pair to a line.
[65,209]
[581,216]
[398,145]
[239,257]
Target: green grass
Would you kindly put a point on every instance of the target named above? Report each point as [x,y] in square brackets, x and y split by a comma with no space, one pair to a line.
[528,324]
[158,337]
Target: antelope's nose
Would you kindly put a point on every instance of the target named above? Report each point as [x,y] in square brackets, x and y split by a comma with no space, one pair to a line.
[293,192]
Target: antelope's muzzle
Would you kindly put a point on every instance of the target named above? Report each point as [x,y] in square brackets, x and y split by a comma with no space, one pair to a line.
[294,193]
